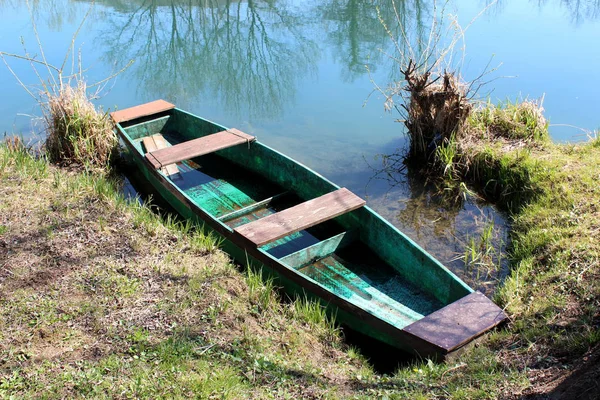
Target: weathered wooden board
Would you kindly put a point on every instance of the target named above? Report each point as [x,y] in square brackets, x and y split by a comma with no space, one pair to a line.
[156,142]
[300,217]
[142,110]
[198,147]
[149,144]
[458,323]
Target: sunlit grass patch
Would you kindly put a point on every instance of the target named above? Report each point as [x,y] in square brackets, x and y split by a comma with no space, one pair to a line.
[20,160]
[261,292]
[151,308]
[518,120]
[122,301]
[553,291]
[109,282]
[315,315]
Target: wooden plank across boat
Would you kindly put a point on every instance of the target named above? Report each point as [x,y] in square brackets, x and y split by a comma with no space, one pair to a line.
[317,239]
[299,217]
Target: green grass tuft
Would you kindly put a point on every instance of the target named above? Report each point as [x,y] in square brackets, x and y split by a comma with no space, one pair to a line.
[315,314]
[519,120]
[14,152]
[261,292]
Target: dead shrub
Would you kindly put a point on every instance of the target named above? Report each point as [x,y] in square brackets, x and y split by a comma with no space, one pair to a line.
[78,134]
[437,109]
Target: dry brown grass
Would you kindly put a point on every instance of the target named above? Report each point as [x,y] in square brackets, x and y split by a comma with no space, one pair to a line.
[78,133]
[515,122]
[437,111]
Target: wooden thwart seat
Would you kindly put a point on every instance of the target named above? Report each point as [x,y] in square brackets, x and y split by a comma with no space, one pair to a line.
[456,324]
[156,142]
[198,147]
[142,110]
[299,217]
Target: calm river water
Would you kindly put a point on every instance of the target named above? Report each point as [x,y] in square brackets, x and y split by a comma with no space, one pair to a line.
[293,73]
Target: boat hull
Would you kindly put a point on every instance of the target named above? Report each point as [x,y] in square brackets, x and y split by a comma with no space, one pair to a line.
[434,336]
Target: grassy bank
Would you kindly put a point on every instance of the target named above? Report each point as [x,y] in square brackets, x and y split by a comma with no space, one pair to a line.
[552,195]
[553,292]
[92,306]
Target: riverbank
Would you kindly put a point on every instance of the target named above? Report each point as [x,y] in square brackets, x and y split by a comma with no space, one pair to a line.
[92,305]
[100,297]
[552,195]
[553,292]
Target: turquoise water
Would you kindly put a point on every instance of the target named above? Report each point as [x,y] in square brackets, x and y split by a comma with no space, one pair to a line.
[293,73]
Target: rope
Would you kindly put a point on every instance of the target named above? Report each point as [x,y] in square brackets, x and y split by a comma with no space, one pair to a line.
[248,140]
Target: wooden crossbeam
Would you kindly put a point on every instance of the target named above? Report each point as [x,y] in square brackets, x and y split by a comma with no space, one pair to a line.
[198,147]
[299,217]
[155,142]
[143,110]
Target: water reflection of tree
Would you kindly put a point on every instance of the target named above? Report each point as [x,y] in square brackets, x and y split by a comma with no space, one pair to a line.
[581,10]
[357,33]
[578,11]
[246,55]
[55,13]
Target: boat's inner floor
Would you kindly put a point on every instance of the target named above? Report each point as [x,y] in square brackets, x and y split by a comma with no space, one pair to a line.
[357,274]
[220,187]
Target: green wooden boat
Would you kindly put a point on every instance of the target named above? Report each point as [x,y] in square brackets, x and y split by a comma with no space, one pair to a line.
[317,239]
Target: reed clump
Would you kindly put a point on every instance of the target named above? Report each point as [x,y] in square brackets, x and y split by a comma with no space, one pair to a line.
[14,144]
[77,133]
[437,111]
[445,126]
[451,136]
[447,130]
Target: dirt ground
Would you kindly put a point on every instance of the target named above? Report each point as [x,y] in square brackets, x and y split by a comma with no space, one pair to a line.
[581,383]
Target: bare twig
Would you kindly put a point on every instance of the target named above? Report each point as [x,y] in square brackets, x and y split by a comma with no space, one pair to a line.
[71,48]
[30,59]
[39,42]
[16,76]
[129,64]
[459,366]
